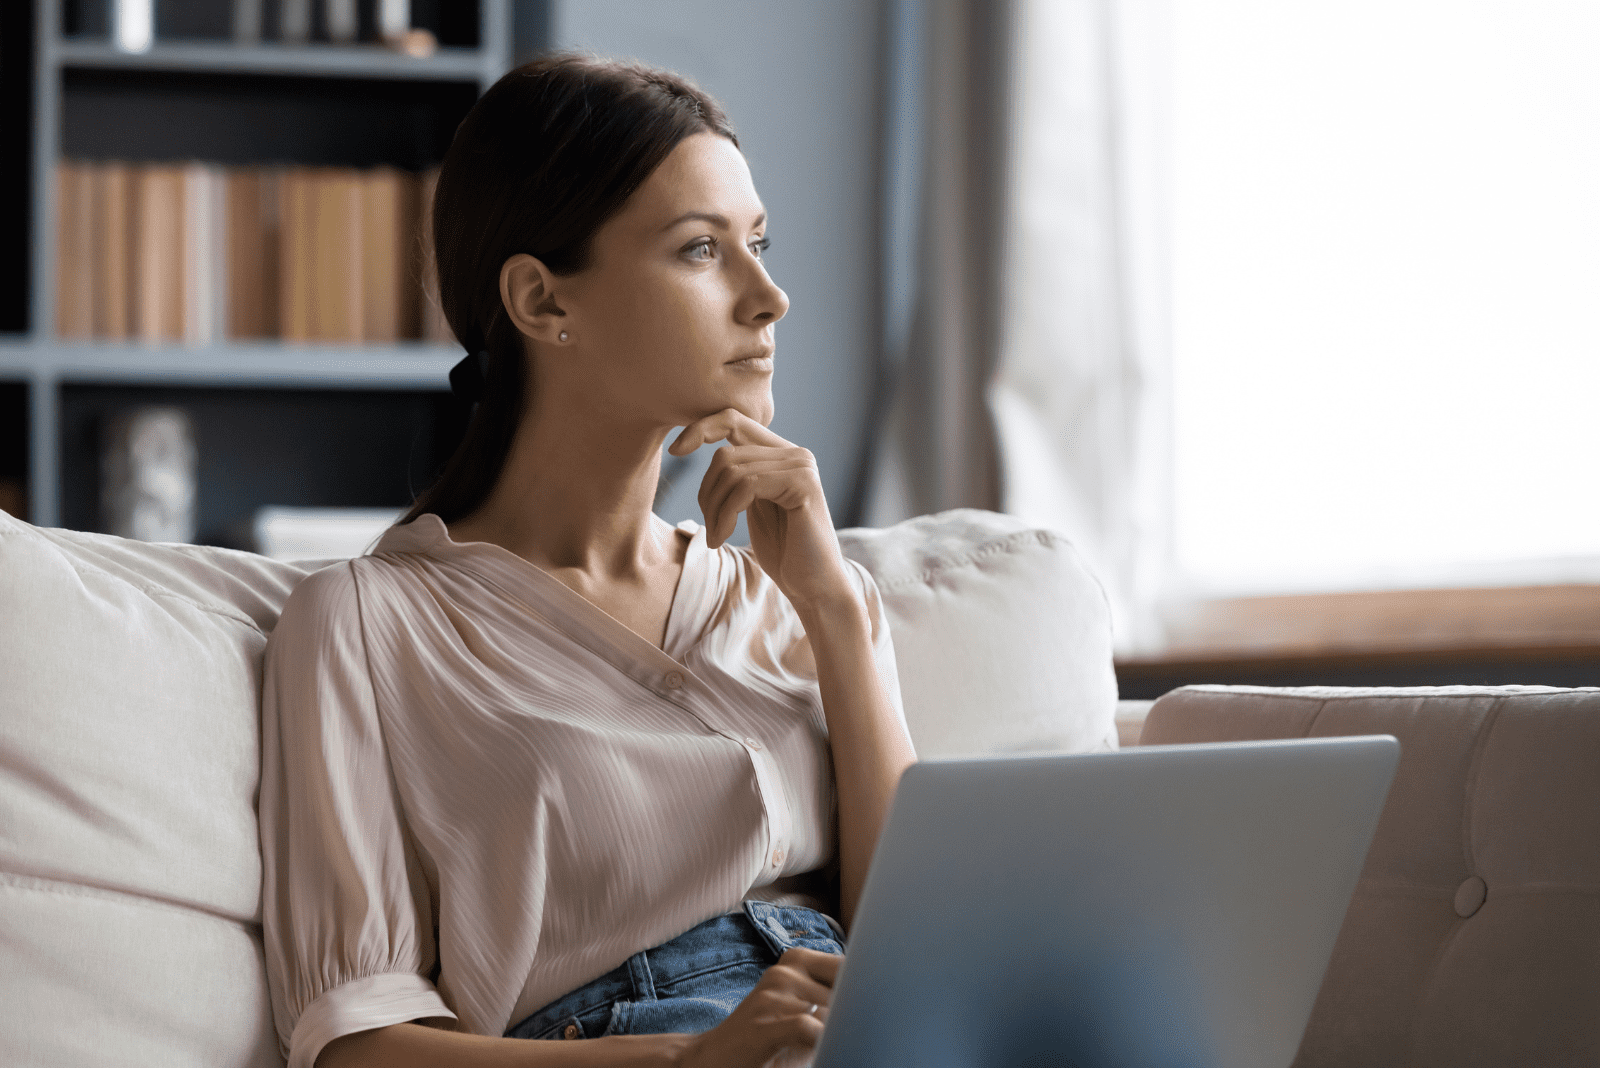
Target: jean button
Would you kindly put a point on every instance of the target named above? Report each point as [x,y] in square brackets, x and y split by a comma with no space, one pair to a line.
[570,1031]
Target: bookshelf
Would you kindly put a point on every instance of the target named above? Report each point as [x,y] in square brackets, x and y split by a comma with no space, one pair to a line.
[356,105]
[330,61]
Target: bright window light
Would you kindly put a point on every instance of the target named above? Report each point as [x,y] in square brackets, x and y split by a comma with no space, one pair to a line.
[1387,284]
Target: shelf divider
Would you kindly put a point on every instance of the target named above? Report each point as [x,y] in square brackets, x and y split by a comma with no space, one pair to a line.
[333,61]
[237,364]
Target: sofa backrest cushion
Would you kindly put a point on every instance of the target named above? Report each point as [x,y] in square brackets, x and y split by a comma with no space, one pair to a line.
[1473,937]
[1001,633]
[130,874]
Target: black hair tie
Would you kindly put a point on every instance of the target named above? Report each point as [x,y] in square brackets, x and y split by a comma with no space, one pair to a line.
[467,378]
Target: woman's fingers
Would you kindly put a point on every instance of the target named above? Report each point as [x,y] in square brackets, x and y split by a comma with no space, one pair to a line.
[807,974]
[776,1018]
[730,425]
[820,966]
[801,998]
[729,489]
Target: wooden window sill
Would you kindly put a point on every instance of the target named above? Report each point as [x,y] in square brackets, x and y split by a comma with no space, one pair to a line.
[1534,634]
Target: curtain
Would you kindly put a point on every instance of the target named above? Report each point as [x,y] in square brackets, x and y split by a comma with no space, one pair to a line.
[1081,392]
[932,443]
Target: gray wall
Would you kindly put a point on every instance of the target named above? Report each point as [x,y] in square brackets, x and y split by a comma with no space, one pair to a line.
[800,80]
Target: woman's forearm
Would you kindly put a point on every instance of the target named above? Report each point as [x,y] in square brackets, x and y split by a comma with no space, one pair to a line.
[870,745]
[414,1046]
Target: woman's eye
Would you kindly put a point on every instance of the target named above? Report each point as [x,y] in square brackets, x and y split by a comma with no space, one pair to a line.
[703,249]
[759,247]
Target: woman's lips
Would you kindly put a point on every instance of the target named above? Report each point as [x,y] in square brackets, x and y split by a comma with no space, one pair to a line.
[760,361]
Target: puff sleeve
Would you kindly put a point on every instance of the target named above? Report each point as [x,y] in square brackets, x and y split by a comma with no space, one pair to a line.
[346,912]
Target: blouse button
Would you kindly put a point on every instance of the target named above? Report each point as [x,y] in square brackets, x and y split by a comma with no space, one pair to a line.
[753,744]
[777,858]
[571,1031]
[674,680]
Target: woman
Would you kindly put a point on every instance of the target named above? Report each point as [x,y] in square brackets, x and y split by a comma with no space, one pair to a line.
[543,766]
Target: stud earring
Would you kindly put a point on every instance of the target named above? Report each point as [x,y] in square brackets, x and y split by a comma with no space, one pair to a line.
[563,335]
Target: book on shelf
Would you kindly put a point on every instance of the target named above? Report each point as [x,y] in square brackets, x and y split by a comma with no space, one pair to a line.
[159,271]
[336,282]
[107,280]
[205,230]
[253,248]
[390,254]
[75,300]
[294,21]
[196,253]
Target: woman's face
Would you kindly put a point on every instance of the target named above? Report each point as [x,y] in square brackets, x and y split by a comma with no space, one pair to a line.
[673,317]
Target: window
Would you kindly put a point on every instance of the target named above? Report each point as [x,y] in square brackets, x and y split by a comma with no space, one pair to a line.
[1387,294]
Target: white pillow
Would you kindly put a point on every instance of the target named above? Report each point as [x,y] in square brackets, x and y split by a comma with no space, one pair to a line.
[130,868]
[1001,634]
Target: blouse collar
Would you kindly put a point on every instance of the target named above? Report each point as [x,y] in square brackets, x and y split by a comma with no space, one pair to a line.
[687,617]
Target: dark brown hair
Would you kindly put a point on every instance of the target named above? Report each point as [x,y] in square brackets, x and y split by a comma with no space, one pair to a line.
[545,157]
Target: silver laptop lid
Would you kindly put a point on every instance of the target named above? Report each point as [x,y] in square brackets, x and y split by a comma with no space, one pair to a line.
[1169,907]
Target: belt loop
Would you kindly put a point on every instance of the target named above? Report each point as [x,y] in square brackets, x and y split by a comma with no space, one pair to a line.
[763,916]
[644,984]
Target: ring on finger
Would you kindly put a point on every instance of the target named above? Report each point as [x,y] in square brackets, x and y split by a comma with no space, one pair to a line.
[812,1011]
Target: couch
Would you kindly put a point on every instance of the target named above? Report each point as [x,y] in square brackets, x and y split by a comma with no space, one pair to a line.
[129,750]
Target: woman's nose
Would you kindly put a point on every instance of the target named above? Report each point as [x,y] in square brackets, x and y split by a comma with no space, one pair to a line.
[765,303]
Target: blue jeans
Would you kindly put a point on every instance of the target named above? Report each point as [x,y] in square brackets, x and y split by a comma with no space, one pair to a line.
[689,984]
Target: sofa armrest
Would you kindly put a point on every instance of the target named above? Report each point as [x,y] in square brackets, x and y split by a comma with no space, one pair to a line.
[1470,938]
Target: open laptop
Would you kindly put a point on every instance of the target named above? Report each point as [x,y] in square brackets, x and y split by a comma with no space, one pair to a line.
[1161,907]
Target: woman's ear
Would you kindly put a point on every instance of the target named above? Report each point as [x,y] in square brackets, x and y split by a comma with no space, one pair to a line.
[530,293]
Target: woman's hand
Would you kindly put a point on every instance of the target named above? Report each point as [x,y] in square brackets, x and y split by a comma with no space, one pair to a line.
[775,1025]
[776,483]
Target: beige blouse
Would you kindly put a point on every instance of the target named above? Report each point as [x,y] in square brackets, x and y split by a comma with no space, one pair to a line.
[479,791]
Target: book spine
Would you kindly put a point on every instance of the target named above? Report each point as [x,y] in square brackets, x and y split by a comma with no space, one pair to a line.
[271,260]
[382,273]
[336,300]
[158,254]
[74,250]
[252,250]
[246,22]
[294,301]
[205,263]
[294,21]
[112,235]
[341,19]
[394,19]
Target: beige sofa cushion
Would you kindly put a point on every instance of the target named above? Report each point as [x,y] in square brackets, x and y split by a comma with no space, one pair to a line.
[1002,634]
[1473,938]
[130,874]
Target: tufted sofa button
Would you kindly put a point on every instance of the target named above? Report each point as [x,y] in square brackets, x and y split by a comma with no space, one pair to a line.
[1470,895]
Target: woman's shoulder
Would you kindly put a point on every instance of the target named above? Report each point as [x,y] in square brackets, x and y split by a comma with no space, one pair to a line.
[327,600]
[337,590]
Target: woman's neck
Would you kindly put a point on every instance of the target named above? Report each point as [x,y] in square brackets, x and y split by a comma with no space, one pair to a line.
[576,493]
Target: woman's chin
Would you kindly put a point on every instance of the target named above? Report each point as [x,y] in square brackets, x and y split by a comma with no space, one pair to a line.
[762,412]
[754,404]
